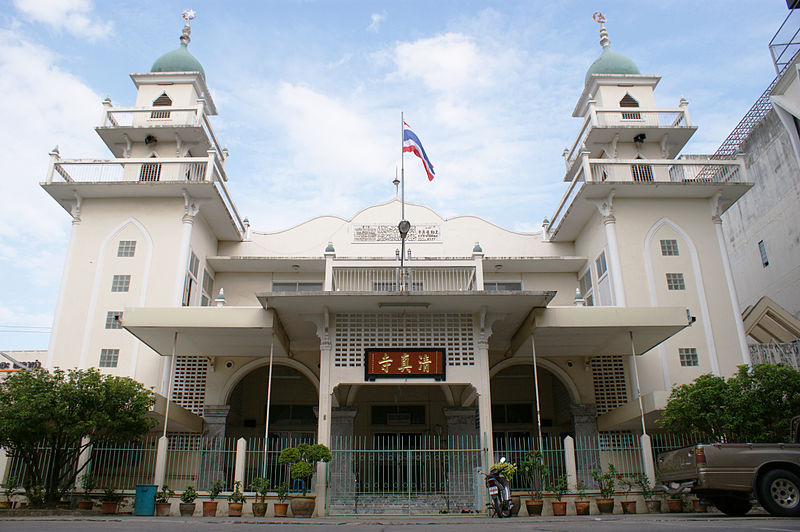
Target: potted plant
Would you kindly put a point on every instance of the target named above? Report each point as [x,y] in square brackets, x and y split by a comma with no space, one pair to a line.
[607,481]
[648,494]
[236,500]
[162,501]
[582,504]
[9,490]
[281,506]
[88,483]
[187,504]
[303,460]
[700,506]
[559,488]
[110,501]
[675,503]
[534,470]
[210,506]
[261,486]
[627,483]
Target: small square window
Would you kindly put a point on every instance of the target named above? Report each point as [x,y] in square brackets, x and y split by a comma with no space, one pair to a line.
[669,248]
[113,319]
[688,356]
[675,281]
[121,283]
[126,248]
[762,249]
[109,358]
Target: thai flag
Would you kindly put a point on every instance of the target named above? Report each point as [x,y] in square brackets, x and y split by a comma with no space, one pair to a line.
[412,144]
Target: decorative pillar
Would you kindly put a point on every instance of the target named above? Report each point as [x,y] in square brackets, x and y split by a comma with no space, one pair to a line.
[477,257]
[606,208]
[647,458]
[570,465]
[239,462]
[86,453]
[330,254]
[212,466]
[584,418]
[324,408]
[343,476]
[726,267]
[462,433]
[190,210]
[161,461]
[484,392]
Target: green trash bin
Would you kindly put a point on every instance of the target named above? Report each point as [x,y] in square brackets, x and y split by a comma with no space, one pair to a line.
[145,502]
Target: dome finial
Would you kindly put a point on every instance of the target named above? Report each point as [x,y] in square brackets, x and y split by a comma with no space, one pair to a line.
[188,15]
[600,18]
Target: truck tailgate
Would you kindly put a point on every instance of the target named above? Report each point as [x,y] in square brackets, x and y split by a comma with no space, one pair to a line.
[677,465]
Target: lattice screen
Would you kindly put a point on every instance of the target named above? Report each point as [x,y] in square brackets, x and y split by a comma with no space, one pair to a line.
[355,332]
[189,385]
[610,386]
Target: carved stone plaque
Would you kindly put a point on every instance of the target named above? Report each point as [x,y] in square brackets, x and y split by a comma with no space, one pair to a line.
[389,233]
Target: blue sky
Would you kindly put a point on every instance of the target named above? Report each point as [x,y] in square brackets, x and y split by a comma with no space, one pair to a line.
[310,92]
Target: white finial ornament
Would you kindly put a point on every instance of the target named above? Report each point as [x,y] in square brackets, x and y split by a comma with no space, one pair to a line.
[601,19]
[187,15]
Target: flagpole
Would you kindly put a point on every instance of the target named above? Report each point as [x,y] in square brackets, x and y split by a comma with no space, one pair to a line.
[402,200]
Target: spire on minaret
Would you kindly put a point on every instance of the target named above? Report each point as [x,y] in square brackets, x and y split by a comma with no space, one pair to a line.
[188,15]
[600,18]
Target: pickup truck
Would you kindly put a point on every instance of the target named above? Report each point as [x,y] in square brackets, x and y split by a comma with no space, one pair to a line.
[728,475]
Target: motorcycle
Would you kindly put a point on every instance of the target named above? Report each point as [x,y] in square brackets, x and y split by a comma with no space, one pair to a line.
[499,490]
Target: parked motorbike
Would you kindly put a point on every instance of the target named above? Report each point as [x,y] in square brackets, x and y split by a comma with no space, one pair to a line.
[499,491]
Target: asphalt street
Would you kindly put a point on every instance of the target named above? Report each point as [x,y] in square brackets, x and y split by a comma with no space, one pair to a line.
[621,523]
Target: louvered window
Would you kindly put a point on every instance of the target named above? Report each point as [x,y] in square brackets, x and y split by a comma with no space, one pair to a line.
[628,101]
[161,101]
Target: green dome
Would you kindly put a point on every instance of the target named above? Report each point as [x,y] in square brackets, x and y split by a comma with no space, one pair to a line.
[611,63]
[178,60]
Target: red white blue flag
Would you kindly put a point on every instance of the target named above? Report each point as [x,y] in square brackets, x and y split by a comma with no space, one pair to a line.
[412,144]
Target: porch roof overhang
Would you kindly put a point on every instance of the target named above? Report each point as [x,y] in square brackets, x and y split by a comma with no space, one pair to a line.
[628,416]
[180,419]
[207,331]
[508,310]
[594,331]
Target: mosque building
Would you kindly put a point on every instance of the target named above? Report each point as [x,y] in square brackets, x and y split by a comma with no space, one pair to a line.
[345,332]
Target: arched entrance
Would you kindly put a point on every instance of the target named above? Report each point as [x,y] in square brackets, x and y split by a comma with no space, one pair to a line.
[293,408]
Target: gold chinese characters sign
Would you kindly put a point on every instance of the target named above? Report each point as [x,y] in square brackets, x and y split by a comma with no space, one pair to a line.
[404,363]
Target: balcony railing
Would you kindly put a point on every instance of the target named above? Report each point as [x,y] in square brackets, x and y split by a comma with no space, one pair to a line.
[130,170]
[675,171]
[150,170]
[412,279]
[160,116]
[625,117]
[788,354]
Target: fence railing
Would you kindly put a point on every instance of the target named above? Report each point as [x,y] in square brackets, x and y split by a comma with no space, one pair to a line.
[277,473]
[135,170]
[516,449]
[411,279]
[123,466]
[675,171]
[637,117]
[787,353]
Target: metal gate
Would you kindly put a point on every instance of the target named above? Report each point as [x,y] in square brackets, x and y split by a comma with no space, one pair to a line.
[403,474]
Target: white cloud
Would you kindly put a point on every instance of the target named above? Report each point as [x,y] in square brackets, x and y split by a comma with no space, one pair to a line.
[376,21]
[73,16]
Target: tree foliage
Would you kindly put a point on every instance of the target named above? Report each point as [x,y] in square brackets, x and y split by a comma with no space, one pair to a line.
[755,405]
[56,410]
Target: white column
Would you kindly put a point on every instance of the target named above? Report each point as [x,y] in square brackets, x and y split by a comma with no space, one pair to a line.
[324,412]
[190,211]
[82,459]
[477,258]
[485,398]
[161,462]
[570,464]
[238,468]
[726,268]
[647,459]
[615,264]
[536,391]
[329,256]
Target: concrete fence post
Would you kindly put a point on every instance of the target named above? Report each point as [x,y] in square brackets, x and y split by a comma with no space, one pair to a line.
[4,463]
[570,464]
[241,453]
[161,462]
[82,459]
[647,459]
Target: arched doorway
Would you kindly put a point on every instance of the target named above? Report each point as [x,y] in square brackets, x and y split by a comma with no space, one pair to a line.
[293,405]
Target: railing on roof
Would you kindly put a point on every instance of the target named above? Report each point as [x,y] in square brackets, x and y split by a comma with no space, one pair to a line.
[674,171]
[392,279]
[786,42]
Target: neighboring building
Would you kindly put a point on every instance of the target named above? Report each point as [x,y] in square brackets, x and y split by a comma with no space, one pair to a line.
[762,231]
[364,350]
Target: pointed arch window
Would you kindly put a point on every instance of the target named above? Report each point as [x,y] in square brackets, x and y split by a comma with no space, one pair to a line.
[150,171]
[629,101]
[161,101]
[641,173]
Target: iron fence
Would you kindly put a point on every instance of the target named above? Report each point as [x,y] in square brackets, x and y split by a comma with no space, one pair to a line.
[123,465]
[516,450]
[596,452]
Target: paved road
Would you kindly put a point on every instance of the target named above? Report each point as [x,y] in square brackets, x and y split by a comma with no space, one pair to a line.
[621,523]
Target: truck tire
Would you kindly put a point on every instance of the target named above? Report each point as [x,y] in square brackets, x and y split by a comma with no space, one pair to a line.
[731,505]
[779,493]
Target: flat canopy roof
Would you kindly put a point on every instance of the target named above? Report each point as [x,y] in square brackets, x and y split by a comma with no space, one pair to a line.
[207,331]
[593,331]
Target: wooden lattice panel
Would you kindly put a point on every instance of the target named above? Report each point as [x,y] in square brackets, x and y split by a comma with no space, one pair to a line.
[353,333]
[189,384]
[610,385]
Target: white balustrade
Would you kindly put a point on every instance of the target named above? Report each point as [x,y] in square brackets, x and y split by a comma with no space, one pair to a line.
[124,170]
[675,171]
[411,279]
